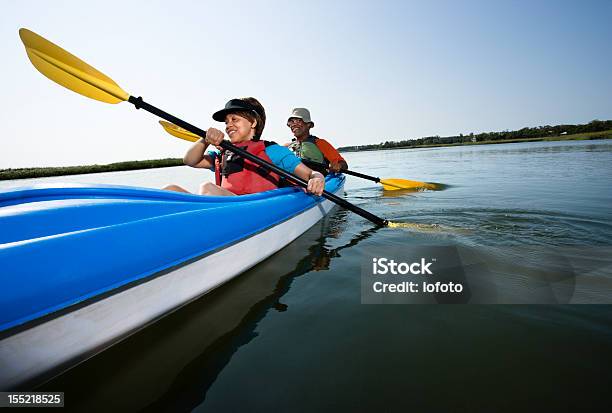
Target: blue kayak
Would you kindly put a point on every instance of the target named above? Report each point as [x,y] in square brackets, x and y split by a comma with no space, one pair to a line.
[84,266]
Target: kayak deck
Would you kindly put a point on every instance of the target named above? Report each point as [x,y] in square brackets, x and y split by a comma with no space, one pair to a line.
[68,244]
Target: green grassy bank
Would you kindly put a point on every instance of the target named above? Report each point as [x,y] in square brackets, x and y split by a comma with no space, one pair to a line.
[24,173]
[575,137]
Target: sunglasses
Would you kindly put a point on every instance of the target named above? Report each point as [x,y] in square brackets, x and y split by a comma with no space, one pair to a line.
[295,121]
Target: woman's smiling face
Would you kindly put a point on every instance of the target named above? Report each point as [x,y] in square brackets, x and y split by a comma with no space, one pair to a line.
[239,129]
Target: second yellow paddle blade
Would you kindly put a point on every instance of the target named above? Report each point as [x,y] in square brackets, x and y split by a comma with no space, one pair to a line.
[179,132]
[70,71]
[393,184]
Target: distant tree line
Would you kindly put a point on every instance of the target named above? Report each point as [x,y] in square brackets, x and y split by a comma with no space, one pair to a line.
[546,131]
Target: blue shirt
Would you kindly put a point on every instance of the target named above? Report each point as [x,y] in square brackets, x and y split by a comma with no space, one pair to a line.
[280,156]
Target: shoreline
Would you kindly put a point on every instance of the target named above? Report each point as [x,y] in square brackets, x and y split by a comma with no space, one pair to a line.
[45,172]
[589,136]
[29,173]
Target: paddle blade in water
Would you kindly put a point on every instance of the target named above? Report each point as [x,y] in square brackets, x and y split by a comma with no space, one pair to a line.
[70,71]
[179,132]
[393,184]
[420,227]
[415,226]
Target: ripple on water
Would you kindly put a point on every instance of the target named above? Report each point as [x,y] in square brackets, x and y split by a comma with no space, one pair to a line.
[491,226]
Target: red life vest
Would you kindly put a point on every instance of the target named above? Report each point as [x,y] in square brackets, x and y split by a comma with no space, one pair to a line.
[242,176]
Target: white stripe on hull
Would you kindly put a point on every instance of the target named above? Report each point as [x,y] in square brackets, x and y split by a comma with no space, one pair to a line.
[63,341]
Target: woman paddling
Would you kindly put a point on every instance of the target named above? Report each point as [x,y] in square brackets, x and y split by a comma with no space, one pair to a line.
[245,119]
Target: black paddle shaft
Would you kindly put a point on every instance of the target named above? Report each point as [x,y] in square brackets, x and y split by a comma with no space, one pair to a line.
[140,104]
[314,164]
[357,174]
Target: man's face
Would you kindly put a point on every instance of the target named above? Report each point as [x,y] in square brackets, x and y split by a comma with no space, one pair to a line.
[299,128]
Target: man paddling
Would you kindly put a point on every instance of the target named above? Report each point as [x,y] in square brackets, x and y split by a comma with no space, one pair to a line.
[312,150]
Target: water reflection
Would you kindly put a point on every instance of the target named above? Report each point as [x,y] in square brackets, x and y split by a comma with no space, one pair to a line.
[190,387]
[431,186]
[170,365]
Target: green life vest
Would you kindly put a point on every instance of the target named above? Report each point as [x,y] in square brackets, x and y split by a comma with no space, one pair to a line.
[308,150]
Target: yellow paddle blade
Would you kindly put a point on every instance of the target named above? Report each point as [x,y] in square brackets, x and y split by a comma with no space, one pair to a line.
[392,184]
[70,71]
[179,132]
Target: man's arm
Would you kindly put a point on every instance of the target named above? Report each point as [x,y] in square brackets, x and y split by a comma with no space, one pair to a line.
[336,161]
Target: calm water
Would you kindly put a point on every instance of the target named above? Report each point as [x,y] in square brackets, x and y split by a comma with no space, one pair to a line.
[292,335]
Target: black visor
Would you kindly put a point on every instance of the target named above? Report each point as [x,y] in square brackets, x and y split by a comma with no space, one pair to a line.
[233,106]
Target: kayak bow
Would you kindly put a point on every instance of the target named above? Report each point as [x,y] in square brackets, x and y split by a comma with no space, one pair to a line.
[97,263]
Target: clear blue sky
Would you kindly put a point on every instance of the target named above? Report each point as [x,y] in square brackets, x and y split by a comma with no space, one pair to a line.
[369,71]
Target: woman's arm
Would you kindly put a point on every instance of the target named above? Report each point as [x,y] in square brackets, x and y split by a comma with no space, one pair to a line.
[316,180]
[282,157]
[195,156]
